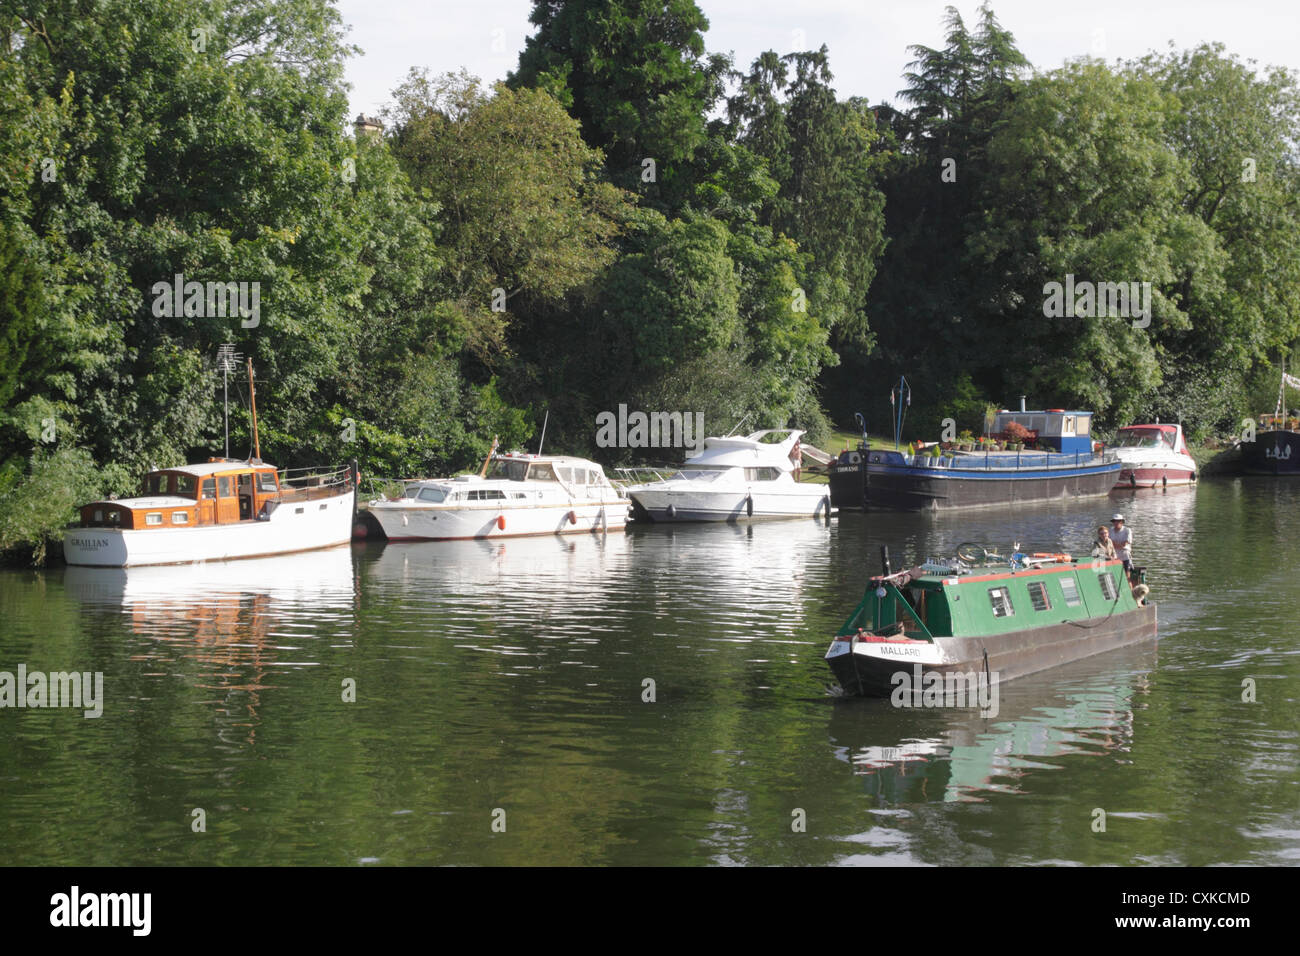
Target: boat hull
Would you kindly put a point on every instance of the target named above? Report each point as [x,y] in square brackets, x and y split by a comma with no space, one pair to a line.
[868,669]
[1272,453]
[402,522]
[877,482]
[668,505]
[292,526]
[1154,475]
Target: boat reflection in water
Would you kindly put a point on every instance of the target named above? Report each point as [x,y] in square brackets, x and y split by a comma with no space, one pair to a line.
[913,755]
[225,626]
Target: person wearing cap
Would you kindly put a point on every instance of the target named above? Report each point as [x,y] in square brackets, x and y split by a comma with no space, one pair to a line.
[1122,537]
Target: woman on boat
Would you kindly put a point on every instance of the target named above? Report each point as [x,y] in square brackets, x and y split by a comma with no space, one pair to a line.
[1103,547]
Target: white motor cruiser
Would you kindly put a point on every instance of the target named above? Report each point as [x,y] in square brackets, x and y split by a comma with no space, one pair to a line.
[735,479]
[1153,456]
[516,495]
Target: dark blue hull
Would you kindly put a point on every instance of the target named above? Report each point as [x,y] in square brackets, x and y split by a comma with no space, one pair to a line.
[888,480]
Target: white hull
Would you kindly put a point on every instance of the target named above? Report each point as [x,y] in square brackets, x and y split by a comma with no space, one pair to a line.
[292,526]
[663,502]
[408,521]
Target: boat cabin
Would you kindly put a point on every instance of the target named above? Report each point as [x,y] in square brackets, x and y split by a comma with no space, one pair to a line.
[929,601]
[1054,429]
[1169,437]
[216,492]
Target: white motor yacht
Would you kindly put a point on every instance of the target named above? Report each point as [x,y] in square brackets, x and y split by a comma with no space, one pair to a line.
[518,495]
[735,479]
[1153,456]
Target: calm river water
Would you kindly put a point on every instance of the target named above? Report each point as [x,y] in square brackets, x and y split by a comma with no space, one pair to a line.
[500,714]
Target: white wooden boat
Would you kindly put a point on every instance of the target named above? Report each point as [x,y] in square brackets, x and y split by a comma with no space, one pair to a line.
[516,495]
[216,511]
[735,479]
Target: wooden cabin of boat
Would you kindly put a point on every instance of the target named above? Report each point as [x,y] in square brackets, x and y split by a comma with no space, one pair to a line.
[220,491]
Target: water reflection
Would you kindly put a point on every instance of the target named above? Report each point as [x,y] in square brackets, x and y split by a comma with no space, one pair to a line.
[951,754]
[226,626]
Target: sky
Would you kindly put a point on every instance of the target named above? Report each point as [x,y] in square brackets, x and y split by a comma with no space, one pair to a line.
[867,39]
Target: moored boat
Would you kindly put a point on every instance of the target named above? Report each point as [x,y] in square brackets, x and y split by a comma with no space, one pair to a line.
[1153,456]
[219,510]
[982,617]
[735,479]
[1062,464]
[1276,446]
[514,495]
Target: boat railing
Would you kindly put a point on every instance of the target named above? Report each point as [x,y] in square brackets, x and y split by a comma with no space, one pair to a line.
[1012,461]
[299,484]
[642,474]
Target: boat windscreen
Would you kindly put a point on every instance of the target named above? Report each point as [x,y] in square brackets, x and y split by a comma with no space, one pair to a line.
[1141,439]
[509,470]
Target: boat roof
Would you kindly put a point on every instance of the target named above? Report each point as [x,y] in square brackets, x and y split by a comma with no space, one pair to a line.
[219,465]
[734,450]
[1163,428]
[549,459]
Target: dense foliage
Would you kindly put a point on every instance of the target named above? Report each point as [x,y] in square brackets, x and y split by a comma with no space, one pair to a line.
[629,219]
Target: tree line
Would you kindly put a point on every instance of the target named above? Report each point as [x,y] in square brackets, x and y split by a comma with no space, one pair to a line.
[628,219]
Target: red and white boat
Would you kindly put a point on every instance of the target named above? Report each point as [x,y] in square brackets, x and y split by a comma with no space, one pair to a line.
[1153,456]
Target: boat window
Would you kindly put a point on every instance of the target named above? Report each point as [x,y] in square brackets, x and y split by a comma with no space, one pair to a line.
[184,485]
[580,476]
[99,516]
[565,473]
[1083,425]
[225,487]
[180,517]
[155,484]
[266,481]
[435,495]
[1107,586]
[1069,425]
[762,474]
[541,471]
[518,494]
[1071,591]
[509,470]
[1038,596]
[246,483]
[153,517]
[1001,601]
[209,488]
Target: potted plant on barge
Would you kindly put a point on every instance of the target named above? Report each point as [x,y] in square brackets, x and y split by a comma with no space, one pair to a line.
[1016,435]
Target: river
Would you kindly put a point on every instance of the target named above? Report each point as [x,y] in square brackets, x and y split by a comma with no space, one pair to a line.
[655,697]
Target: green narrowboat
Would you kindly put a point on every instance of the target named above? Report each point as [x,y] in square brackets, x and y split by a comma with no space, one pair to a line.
[986,617]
